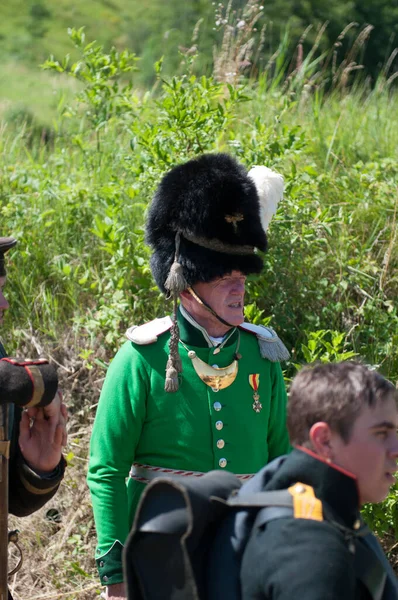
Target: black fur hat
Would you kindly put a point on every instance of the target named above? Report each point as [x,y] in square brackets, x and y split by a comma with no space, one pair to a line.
[208,216]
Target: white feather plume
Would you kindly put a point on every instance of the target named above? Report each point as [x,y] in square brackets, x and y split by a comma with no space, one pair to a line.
[269,185]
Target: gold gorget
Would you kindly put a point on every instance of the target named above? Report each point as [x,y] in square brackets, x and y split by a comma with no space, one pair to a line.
[218,378]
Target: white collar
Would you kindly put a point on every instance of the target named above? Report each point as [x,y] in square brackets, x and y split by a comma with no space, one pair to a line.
[212,342]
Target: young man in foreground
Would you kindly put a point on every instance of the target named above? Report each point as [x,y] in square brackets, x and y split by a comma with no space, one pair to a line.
[342,421]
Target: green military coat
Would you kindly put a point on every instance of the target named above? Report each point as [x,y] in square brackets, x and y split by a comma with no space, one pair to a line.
[194,429]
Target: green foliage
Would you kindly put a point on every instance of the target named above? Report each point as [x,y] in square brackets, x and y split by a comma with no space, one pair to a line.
[103,94]
[326,346]
[383,518]
[193,115]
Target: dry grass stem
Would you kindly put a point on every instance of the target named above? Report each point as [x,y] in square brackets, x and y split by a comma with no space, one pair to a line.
[391,246]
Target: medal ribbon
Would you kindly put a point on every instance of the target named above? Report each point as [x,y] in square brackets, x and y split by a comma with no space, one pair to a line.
[254,381]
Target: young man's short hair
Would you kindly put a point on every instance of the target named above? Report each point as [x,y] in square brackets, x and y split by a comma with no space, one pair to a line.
[334,393]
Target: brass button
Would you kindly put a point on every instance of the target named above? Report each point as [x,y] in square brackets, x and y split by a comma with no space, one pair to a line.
[357,524]
[105,578]
[215,366]
[101,563]
[192,354]
[220,444]
[217,406]
[300,489]
[219,425]
[222,462]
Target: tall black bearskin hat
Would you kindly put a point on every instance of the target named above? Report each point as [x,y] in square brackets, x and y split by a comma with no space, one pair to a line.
[207,219]
[5,244]
[209,216]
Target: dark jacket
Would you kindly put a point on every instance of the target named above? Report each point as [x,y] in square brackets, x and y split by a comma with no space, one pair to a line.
[28,490]
[302,558]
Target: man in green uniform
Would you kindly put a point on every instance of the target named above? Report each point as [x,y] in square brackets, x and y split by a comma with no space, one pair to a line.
[37,435]
[342,420]
[201,390]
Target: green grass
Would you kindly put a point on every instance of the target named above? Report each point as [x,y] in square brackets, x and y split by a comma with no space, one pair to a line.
[32,30]
[27,92]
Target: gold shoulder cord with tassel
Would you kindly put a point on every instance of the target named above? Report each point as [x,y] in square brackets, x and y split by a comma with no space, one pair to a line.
[174,284]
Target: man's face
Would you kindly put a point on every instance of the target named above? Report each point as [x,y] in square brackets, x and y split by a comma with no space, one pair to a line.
[3,302]
[372,451]
[225,296]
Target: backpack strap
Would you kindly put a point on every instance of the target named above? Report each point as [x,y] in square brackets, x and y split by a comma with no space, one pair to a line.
[280,498]
[368,567]
[369,570]
[300,499]
[275,504]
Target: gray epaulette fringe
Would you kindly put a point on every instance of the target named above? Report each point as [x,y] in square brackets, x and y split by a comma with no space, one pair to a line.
[271,346]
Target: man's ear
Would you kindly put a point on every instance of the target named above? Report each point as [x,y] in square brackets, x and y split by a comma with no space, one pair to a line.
[320,437]
[185,294]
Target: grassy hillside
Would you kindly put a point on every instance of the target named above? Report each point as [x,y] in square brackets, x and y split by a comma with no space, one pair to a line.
[32,30]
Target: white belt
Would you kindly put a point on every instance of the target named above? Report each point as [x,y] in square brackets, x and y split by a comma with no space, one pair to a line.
[146,473]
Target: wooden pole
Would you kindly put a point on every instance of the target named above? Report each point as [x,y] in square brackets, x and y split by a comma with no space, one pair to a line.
[4,456]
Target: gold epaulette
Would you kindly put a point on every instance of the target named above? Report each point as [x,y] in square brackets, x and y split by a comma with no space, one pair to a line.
[305,504]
